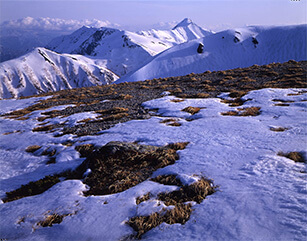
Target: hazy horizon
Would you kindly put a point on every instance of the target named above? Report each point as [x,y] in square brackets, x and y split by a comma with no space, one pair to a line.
[136,15]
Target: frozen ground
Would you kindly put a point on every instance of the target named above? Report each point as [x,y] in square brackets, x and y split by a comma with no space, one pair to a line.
[262,196]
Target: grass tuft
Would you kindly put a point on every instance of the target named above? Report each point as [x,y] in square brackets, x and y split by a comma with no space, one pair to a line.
[118,166]
[142,224]
[246,111]
[32,188]
[167,180]
[294,155]
[33,148]
[278,129]
[191,110]
[143,198]
[195,192]
[85,150]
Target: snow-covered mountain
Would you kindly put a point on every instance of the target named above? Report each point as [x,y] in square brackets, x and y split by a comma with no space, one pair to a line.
[43,70]
[18,37]
[241,47]
[185,31]
[124,51]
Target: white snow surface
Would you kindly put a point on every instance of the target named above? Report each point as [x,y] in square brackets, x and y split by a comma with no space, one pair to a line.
[122,50]
[262,196]
[43,70]
[234,48]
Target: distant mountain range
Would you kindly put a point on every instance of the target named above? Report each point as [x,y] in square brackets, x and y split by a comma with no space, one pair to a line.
[18,37]
[95,56]
[124,51]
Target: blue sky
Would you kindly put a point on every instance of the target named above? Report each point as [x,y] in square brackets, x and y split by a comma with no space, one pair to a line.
[144,13]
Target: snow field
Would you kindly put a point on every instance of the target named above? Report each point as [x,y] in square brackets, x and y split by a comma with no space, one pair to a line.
[262,196]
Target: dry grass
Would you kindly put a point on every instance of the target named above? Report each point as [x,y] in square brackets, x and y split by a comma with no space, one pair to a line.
[170,122]
[142,224]
[118,166]
[85,150]
[32,188]
[294,155]
[298,93]
[283,101]
[177,100]
[49,152]
[247,111]
[123,97]
[230,113]
[235,102]
[114,117]
[51,219]
[178,145]
[114,110]
[191,110]
[237,93]
[85,120]
[278,129]
[167,180]
[44,128]
[33,148]
[181,212]
[195,192]
[143,198]
[281,104]
[174,124]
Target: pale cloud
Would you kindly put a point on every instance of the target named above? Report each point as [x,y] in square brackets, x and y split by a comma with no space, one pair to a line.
[53,24]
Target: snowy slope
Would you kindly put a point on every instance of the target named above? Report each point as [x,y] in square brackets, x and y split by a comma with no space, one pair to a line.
[262,195]
[43,70]
[123,51]
[228,49]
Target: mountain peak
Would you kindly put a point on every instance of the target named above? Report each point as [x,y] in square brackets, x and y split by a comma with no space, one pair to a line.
[184,23]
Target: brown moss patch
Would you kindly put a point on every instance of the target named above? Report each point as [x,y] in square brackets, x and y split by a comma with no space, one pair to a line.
[192,110]
[33,148]
[294,155]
